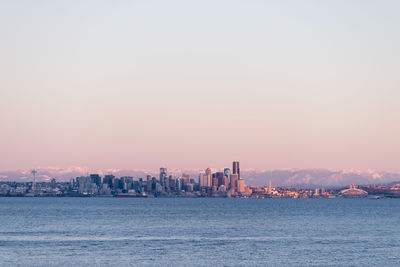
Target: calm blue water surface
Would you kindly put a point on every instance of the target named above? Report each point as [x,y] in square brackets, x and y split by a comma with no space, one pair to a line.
[204,232]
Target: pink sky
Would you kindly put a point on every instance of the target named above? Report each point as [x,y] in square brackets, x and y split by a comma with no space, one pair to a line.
[135,85]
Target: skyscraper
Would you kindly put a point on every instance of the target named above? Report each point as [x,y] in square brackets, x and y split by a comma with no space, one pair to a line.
[241,187]
[202,180]
[149,183]
[236,169]
[108,179]
[227,178]
[227,173]
[233,182]
[209,177]
[163,175]
[95,178]
[34,172]
[269,187]
[220,178]
[215,182]
[186,178]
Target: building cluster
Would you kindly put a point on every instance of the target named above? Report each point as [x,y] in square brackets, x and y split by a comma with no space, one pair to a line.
[282,192]
[223,184]
[226,183]
[30,189]
[219,184]
[209,184]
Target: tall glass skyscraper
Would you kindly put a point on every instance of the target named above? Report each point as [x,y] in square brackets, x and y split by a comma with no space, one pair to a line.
[227,173]
[236,169]
[163,174]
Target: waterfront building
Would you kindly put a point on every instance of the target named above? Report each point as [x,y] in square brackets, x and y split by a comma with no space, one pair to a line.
[115,184]
[241,187]
[316,192]
[108,179]
[148,183]
[353,192]
[53,183]
[126,182]
[222,188]
[85,185]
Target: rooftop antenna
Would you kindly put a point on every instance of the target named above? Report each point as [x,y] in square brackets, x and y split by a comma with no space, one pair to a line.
[34,172]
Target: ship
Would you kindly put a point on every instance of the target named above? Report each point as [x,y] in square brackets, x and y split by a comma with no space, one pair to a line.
[130,195]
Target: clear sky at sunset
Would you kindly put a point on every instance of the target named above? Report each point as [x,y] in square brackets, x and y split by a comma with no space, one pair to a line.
[192,84]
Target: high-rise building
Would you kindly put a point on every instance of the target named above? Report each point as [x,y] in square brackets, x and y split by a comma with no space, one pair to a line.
[226,182]
[209,177]
[116,184]
[215,181]
[233,182]
[95,178]
[189,187]
[149,183]
[316,192]
[34,172]
[220,177]
[203,180]
[269,187]
[186,178]
[163,175]
[108,179]
[241,187]
[227,173]
[53,183]
[236,168]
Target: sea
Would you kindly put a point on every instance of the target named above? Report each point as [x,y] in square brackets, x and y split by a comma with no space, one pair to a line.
[199,232]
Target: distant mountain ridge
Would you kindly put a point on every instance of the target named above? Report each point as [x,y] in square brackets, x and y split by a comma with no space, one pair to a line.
[280,177]
[320,177]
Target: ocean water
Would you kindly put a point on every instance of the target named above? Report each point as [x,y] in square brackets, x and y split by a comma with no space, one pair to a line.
[199,232]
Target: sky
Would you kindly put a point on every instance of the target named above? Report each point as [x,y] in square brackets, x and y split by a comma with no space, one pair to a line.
[196,84]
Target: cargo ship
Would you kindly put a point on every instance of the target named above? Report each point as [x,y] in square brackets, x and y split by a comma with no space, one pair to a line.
[130,195]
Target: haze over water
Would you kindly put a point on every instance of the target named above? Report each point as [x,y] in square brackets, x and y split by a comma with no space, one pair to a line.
[203,232]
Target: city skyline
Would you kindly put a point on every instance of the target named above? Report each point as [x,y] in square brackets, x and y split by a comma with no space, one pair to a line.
[279,177]
[209,183]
